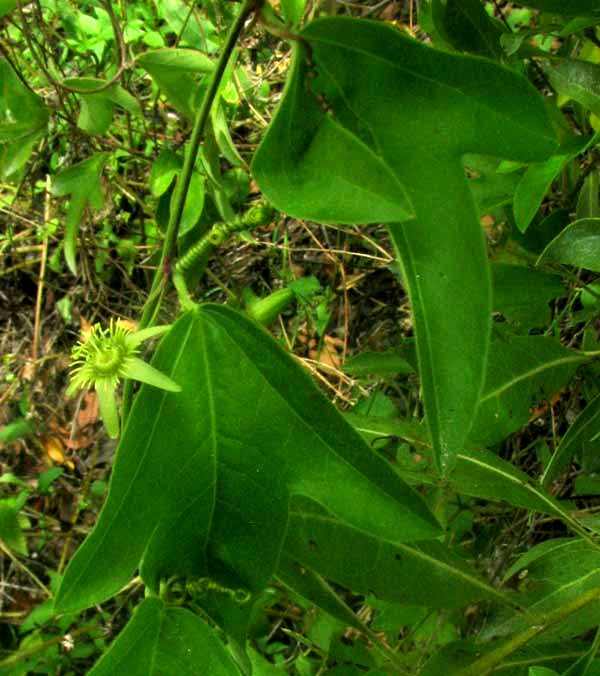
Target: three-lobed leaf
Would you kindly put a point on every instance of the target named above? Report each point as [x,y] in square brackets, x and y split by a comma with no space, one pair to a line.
[203,479]
[352,149]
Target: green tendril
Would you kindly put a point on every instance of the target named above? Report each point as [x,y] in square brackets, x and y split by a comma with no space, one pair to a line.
[179,591]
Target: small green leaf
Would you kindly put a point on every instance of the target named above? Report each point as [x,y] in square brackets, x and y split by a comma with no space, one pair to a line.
[222,135]
[577,80]
[521,370]
[114,93]
[578,245]
[523,294]
[15,430]
[95,114]
[194,203]
[491,188]
[532,188]
[11,532]
[83,182]
[175,71]
[164,169]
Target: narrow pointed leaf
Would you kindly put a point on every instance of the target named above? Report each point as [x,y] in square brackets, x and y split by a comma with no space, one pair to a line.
[424,573]
[554,574]
[582,431]
[314,588]
[522,370]
[351,149]
[578,244]
[161,640]
[483,474]
[201,485]
[588,202]
[533,187]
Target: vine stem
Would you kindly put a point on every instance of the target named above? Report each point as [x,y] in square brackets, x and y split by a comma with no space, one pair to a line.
[162,273]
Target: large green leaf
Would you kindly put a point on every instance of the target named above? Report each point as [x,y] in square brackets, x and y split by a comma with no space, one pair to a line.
[162,640]
[577,244]
[521,370]
[202,479]
[359,138]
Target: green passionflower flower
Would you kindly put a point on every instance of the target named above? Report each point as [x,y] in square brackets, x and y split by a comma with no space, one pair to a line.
[108,355]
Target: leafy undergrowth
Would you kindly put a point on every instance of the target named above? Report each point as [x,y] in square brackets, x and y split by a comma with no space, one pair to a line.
[349,324]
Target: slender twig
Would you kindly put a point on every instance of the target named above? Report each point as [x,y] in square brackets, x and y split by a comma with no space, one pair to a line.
[40,288]
[162,273]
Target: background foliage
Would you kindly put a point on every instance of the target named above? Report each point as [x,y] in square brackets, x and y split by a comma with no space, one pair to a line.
[431,262]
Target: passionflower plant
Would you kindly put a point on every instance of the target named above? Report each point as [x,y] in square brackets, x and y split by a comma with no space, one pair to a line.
[107,356]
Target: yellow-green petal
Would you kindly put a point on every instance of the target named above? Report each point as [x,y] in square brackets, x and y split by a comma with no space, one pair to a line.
[135,338]
[136,369]
[108,406]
